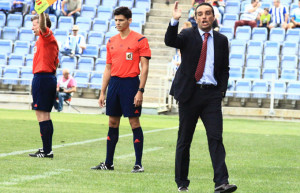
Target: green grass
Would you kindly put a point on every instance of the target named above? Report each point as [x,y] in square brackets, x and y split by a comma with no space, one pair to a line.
[262,156]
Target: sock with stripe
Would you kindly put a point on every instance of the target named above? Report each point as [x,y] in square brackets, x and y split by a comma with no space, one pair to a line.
[112,139]
[46,134]
[138,141]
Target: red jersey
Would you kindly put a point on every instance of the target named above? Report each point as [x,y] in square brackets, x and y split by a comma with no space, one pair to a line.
[124,54]
[46,50]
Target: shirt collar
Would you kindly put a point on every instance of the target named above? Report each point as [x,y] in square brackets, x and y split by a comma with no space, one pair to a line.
[202,32]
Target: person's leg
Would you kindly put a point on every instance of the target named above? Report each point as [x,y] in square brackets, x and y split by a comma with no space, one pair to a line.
[61,98]
[252,24]
[112,138]
[238,23]
[46,130]
[138,139]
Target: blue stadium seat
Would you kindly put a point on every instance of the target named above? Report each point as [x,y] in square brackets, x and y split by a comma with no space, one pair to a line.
[53,20]
[22,47]
[254,60]
[2,19]
[279,90]
[109,3]
[65,22]
[61,35]
[32,47]
[266,4]
[292,35]
[29,60]
[5,46]
[91,51]
[11,75]
[103,52]
[243,4]
[88,10]
[100,65]
[136,26]
[5,5]
[109,35]
[229,20]
[16,60]
[100,25]
[84,23]
[139,15]
[94,3]
[26,34]
[270,73]
[292,89]
[243,33]
[227,31]
[68,63]
[272,48]
[252,73]
[289,48]
[95,37]
[105,12]
[232,7]
[289,62]
[277,34]
[235,72]
[238,46]
[10,33]
[3,61]
[236,60]
[14,20]
[271,61]
[289,74]
[231,87]
[143,4]
[112,26]
[293,6]
[243,86]
[85,64]
[260,86]
[82,79]
[255,47]
[259,34]
[96,80]
[27,21]
[26,76]
[126,3]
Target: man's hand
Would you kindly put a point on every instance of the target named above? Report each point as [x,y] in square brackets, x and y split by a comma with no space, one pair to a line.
[65,14]
[138,99]
[70,14]
[101,100]
[176,11]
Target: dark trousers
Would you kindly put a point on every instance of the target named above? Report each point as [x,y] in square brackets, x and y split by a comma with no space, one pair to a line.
[206,104]
[252,24]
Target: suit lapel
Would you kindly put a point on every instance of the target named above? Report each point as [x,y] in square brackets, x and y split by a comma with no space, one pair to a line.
[198,39]
[216,52]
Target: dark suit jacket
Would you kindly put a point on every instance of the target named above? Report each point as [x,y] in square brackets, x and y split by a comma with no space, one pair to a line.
[189,42]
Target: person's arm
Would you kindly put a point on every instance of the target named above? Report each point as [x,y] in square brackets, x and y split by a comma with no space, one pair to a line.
[63,8]
[42,22]
[225,73]
[254,8]
[286,18]
[138,99]
[73,89]
[105,81]
[260,22]
[193,2]
[82,44]
[78,9]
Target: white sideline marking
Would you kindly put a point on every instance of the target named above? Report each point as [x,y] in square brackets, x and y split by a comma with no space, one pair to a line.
[133,154]
[82,142]
[35,177]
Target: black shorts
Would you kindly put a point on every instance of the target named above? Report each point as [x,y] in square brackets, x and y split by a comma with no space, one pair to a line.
[43,91]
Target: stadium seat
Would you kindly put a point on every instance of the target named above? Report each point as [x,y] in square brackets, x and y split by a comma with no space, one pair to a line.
[3,61]
[29,60]
[103,52]
[255,47]
[95,37]
[254,60]
[5,5]
[229,20]
[243,33]
[143,4]
[109,35]
[289,48]
[100,65]
[232,7]
[238,46]
[53,20]
[227,31]
[112,26]
[91,51]
[32,47]
[260,88]
[26,34]
[139,15]
[270,73]
[11,75]
[243,86]
[293,91]
[235,72]
[231,87]
[10,33]
[292,35]
[279,90]
[252,73]
[85,64]
[289,74]
[126,3]
[2,19]
[14,20]
[243,4]
[105,12]
[26,76]
[100,25]
[266,4]
[94,3]
[61,35]
[271,61]
[65,22]
[293,6]
[136,26]
[277,34]
[27,21]
[82,79]
[96,80]
[84,23]
[236,60]
[16,60]
[89,11]
[5,46]
[272,48]
[109,3]
[68,63]
[259,34]
[22,47]
[289,62]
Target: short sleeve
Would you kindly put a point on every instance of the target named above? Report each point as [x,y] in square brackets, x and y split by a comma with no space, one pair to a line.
[144,49]
[108,54]
[72,82]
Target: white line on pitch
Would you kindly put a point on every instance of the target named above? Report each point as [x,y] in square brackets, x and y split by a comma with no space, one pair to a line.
[144,151]
[34,177]
[82,142]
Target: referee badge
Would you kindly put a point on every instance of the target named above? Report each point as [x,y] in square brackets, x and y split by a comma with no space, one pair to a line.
[128,55]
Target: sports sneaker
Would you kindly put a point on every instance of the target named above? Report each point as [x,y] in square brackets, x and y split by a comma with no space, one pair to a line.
[183,189]
[103,166]
[40,153]
[137,169]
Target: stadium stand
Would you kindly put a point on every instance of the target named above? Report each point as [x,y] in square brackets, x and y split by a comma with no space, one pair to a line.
[254,60]
[255,47]
[259,34]
[243,33]
[252,73]
[96,80]
[22,47]
[85,64]
[16,60]
[26,76]
[260,86]
[236,60]
[100,65]
[82,79]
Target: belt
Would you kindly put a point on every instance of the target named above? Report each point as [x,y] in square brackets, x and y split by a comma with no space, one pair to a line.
[205,86]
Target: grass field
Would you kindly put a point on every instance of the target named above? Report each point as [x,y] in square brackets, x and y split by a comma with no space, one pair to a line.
[262,156]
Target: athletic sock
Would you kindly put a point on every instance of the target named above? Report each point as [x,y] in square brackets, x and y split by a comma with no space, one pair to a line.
[138,141]
[112,139]
[51,134]
[46,130]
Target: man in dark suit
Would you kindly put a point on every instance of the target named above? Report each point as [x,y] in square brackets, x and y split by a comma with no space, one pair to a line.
[199,85]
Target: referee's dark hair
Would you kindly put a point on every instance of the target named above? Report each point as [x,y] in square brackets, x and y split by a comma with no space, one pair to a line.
[48,21]
[123,11]
[207,4]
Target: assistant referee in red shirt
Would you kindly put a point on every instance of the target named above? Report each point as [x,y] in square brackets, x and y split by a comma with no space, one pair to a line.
[44,82]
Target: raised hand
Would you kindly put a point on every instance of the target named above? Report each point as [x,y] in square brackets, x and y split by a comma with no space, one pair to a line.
[176,11]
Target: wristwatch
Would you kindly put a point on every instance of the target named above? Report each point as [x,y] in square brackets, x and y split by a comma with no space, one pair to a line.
[142,90]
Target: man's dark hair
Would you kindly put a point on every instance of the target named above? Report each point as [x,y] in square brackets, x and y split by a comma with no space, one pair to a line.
[207,4]
[48,21]
[123,11]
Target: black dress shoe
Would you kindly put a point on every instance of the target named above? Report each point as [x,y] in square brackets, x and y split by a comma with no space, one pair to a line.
[226,188]
[183,189]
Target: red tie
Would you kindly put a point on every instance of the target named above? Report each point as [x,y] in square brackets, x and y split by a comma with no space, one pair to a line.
[202,59]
